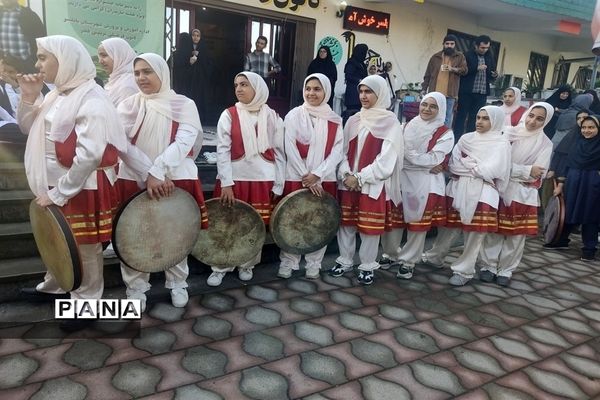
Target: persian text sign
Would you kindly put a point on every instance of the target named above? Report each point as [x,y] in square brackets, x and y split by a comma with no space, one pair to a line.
[360,19]
[139,22]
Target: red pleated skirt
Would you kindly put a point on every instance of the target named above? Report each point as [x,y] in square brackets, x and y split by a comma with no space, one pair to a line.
[517,219]
[255,193]
[434,215]
[369,216]
[485,218]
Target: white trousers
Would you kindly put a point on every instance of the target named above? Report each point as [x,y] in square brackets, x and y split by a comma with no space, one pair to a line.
[313,260]
[248,265]
[136,281]
[441,246]
[465,264]
[390,244]
[92,276]
[500,254]
[411,252]
[367,253]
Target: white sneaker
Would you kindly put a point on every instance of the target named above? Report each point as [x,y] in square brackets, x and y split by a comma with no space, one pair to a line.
[109,252]
[313,273]
[245,274]
[284,272]
[139,296]
[179,297]
[215,278]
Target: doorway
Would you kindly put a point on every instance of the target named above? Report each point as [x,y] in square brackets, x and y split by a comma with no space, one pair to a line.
[229,35]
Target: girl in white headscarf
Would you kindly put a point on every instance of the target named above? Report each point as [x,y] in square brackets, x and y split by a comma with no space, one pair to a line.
[116,57]
[480,168]
[250,161]
[518,211]
[512,108]
[165,130]
[427,145]
[313,150]
[373,147]
[72,149]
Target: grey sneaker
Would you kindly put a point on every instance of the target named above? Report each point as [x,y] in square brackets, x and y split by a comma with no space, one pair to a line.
[284,272]
[313,273]
[503,280]
[458,280]
[405,272]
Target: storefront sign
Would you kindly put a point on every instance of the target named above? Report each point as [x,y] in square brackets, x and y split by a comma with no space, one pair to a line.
[292,4]
[360,19]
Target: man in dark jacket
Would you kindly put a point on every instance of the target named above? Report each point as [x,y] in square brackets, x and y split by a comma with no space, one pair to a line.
[443,74]
[475,85]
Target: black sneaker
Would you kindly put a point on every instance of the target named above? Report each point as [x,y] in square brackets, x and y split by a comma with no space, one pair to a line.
[386,263]
[365,277]
[405,272]
[503,280]
[337,270]
[556,246]
[487,276]
[588,257]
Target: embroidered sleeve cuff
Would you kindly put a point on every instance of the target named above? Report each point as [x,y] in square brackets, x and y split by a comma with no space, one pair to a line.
[57,198]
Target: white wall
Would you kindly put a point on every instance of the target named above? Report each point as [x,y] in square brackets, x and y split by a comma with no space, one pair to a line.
[417,31]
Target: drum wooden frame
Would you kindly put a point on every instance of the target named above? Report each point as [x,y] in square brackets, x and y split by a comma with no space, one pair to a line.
[152,236]
[554,219]
[57,245]
[302,223]
[235,235]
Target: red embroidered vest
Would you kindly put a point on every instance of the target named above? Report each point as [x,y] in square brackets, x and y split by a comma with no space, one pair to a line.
[515,117]
[65,153]
[237,143]
[331,132]
[371,148]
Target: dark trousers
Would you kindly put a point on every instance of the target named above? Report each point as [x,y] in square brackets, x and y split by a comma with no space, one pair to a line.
[589,236]
[468,105]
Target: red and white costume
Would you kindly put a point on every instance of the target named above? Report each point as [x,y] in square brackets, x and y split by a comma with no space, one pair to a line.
[121,82]
[72,149]
[165,135]
[373,146]
[426,144]
[501,253]
[480,168]
[514,113]
[313,144]
[250,154]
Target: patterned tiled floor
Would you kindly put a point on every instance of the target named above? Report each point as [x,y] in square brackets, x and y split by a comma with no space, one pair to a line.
[332,339]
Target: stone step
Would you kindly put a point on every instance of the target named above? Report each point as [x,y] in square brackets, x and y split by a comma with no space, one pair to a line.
[12,176]
[12,152]
[14,205]
[16,240]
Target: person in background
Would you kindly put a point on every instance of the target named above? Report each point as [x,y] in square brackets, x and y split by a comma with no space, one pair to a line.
[323,64]
[443,74]
[20,29]
[580,182]
[474,85]
[561,100]
[567,122]
[116,57]
[595,107]
[202,64]
[261,63]
[513,110]
[354,71]
[181,62]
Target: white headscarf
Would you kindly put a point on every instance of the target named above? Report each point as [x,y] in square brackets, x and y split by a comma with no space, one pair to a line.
[157,111]
[267,118]
[527,145]
[74,79]
[489,152]
[314,132]
[508,110]
[417,130]
[121,82]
